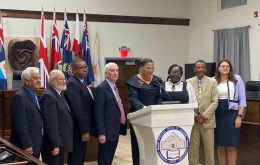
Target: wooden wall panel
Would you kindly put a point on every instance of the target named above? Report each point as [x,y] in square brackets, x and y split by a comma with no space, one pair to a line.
[97,17]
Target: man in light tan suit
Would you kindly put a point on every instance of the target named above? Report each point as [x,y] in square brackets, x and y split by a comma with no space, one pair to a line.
[207,96]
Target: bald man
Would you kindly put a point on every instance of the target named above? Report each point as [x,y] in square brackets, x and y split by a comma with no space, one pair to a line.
[57,121]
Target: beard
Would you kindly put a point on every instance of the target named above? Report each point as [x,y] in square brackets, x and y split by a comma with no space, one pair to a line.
[61,87]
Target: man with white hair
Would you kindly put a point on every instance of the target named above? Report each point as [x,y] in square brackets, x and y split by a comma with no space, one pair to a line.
[57,121]
[110,116]
[26,114]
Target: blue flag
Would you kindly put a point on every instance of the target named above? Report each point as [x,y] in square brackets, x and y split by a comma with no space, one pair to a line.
[86,52]
[3,81]
[66,48]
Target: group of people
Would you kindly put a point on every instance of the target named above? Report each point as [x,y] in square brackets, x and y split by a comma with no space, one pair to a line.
[68,114]
[221,102]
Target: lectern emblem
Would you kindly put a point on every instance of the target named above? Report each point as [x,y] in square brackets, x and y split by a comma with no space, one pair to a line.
[172,144]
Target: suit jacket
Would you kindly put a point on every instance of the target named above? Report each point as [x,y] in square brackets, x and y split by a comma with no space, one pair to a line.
[81,105]
[26,121]
[57,121]
[209,99]
[107,113]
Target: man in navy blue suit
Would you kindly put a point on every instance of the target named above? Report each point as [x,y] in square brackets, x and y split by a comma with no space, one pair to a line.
[110,116]
[26,114]
[81,103]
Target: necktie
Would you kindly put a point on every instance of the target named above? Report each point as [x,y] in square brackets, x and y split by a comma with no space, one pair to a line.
[119,102]
[199,89]
[64,101]
[36,101]
[173,87]
[89,90]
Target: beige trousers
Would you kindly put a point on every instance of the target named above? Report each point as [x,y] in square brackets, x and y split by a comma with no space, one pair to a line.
[207,135]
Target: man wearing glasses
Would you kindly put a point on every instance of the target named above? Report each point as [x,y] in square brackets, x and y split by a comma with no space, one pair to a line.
[81,103]
[57,121]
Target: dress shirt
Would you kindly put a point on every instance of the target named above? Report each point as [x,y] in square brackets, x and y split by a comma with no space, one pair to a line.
[178,88]
[112,86]
[89,90]
[33,94]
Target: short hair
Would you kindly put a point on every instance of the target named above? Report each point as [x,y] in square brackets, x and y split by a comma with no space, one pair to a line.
[108,65]
[75,62]
[145,61]
[200,61]
[53,74]
[26,74]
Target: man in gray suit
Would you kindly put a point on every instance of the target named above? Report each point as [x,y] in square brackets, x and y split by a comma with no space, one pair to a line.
[207,96]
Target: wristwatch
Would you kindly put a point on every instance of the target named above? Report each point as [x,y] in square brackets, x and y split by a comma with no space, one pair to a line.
[240,115]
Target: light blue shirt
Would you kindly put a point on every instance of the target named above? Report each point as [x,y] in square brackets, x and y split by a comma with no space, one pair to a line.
[112,86]
[33,94]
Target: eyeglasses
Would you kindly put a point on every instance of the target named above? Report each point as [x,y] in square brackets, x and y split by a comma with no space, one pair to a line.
[62,79]
[224,66]
[176,72]
[81,67]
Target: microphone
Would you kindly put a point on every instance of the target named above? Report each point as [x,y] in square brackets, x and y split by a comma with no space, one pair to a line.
[157,83]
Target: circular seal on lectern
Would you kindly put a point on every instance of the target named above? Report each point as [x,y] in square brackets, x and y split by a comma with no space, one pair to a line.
[172,144]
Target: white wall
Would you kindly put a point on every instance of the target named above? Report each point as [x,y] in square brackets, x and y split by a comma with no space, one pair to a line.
[165,8]
[205,17]
[165,44]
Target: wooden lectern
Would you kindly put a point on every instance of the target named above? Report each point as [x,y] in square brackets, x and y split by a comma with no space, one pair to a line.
[163,133]
[17,154]
[5,123]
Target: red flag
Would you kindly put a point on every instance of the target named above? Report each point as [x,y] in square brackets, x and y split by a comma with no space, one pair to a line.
[56,62]
[43,58]
[76,42]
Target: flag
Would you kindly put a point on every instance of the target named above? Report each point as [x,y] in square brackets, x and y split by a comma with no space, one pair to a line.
[76,42]
[66,47]
[96,61]
[56,62]
[86,51]
[3,81]
[43,57]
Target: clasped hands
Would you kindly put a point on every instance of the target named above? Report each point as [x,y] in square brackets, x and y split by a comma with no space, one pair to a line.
[85,137]
[200,119]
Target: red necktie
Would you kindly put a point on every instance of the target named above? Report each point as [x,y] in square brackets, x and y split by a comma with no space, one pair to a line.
[119,102]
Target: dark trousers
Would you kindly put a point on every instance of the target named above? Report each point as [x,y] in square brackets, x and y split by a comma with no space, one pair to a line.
[106,152]
[36,155]
[53,160]
[135,148]
[77,156]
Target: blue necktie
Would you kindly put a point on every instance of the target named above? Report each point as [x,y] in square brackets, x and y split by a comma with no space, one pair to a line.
[36,100]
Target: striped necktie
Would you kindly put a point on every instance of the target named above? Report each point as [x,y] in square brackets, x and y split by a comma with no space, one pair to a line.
[200,84]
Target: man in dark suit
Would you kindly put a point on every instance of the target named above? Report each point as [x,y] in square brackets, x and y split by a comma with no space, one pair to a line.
[81,102]
[57,121]
[109,115]
[26,115]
